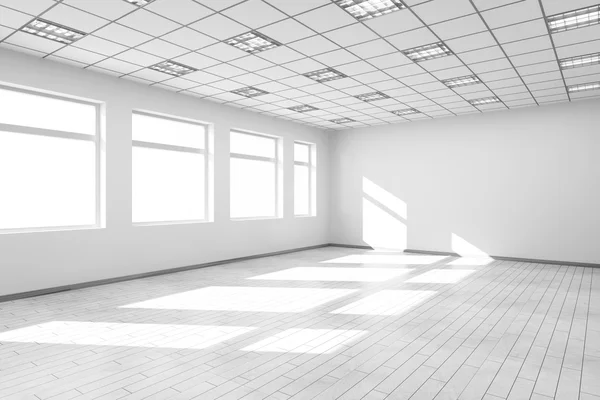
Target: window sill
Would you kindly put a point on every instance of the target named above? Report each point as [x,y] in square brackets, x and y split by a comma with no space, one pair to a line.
[254,218]
[168,223]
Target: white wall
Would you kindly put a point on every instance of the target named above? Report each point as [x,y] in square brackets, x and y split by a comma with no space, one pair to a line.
[32,261]
[520,183]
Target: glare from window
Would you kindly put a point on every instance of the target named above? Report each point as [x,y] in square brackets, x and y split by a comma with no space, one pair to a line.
[301,190]
[25,109]
[304,177]
[169,170]
[167,185]
[46,181]
[153,129]
[254,176]
[253,186]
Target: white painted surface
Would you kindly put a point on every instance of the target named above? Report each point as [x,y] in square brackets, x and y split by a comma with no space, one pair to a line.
[520,183]
[32,261]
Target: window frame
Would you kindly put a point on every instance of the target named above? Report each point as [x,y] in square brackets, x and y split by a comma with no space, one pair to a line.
[278,173]
[96,139]
[183,149]
[312,166]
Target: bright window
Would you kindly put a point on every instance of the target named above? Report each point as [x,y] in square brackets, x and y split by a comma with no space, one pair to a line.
[49,162]
[169,170]
[304,179]
[254,171]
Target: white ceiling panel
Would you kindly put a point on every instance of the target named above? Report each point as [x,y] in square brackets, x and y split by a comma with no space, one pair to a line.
[505,43]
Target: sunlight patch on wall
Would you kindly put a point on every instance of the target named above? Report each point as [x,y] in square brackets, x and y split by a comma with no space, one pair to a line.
[310,341]
[383,218]
[250,299]
[441,276]
[470,255]
[334,274]
[386,302]
[124,334]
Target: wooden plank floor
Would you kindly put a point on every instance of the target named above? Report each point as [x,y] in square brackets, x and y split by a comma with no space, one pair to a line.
[323,324]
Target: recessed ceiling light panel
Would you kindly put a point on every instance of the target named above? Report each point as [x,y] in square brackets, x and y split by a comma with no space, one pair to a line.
[325,75]
[574,19]
[428,52]
[367,9]
[253,42]
[342,120]
[249,91]
[461,81]
[303,108]
[580,61]
[139,3]
[584,87]
[484,100]
[406,111]
[50,30]
[172,68]
[374,96]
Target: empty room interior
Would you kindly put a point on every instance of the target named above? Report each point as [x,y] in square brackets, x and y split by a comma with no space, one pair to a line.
[300,199]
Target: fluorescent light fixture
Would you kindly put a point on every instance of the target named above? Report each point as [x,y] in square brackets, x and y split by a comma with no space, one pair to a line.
[52,31]
[249,91]
[406,111]
[342,120]
[303,108]
[139,3]
[461,81]
[574,19]
[367,9]
[325,75]
[428,52]
[584,87]
[172,68]
[484,100]
[580,61]
[373,96]
[253,42]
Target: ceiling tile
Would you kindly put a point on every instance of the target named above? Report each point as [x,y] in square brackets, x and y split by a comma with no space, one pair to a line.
[196,60]
[390,60]
[521,31]
[393,23]
[351,35]
[297,7]
[471,42]
[458,27]
[162,49]
[314,45]
[326,18]
[74,18]
[13,19]
[372,49]
[437,11]
[527,45]
[414,38]
[219,27]
[222,52]
[511,14]
[225,70]
[139,57]
[337,57]
[148,22]
[254,13]
[122,67]
[355,68]
[219,5]
[280,55]
[286,31]
[251,63]
[32,7]
[303,66]
[189,38]
[123,35]
[109,9]
[99,45]
[80,55]
[181,11]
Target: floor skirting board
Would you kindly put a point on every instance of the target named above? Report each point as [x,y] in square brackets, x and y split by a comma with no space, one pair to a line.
[82,285]
[503,258]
